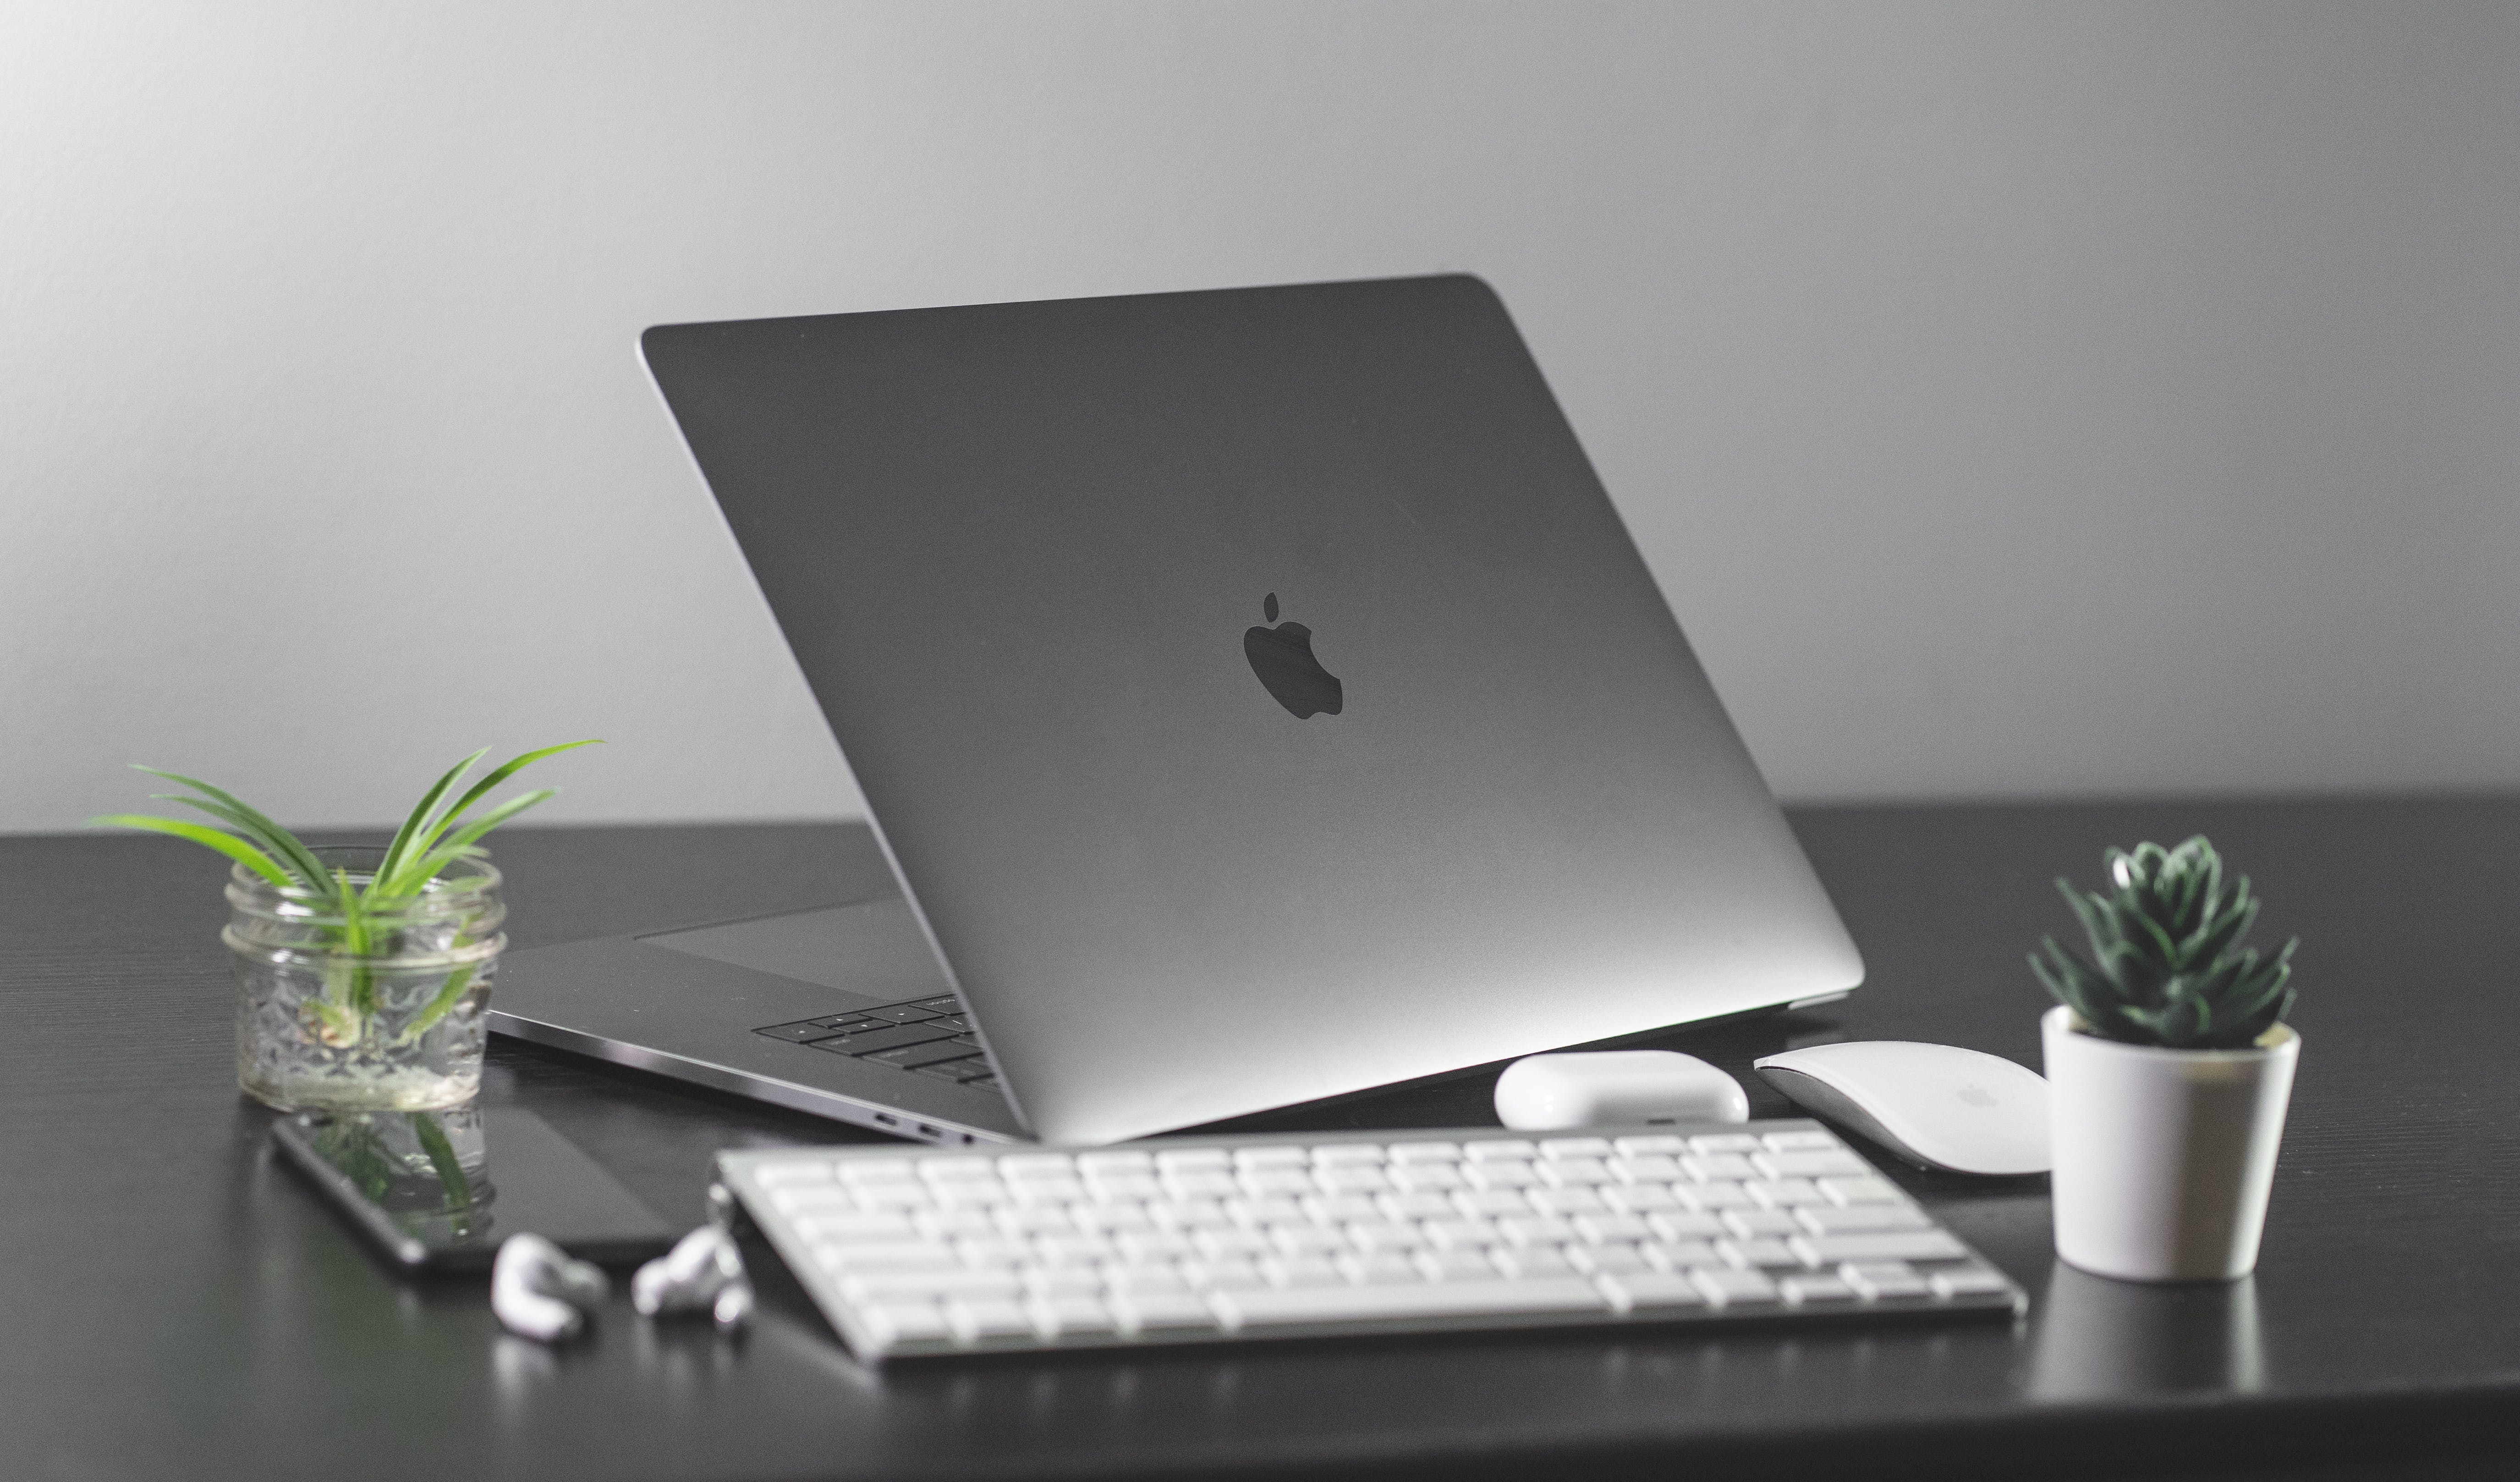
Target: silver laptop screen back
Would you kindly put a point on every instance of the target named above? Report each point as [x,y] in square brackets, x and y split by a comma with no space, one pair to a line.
[1072,581]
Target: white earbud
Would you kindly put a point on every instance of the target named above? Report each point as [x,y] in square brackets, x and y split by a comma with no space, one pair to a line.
[538,1293]
[702,1273]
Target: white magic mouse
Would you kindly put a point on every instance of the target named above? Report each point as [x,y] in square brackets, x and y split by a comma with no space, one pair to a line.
[1612,1088]
[1936,1105]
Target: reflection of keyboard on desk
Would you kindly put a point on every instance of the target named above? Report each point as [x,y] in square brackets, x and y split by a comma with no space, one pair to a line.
[1205,1240]
[930,1036]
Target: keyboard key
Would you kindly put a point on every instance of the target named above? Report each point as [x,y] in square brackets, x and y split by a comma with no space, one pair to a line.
[1864,1190]
[1533,1262]
[1857,1219]
[1247,1310]
[887,1286]
[1725,1141]
[1733,1289]
[850,1256]
[1651,1144]
[1965,1281]
[1379,1268]
[1612,1258]
[1597,1228]
[1758,1252]
[1642,1198]
[901,1014]
[1338,1208]
[1579,1199]
[1804,1291]
[1678,1255]
[1301,1271]
[895,1323]
[1160,1311]
[1419,1206]
[801,1171]
[1536,1229]
[1499,1149]
[1456,1265]
[1646,1291]
[1573,1172]
[1685,1226]
[1834,1163]
[1308,1239]
[1455,1234]
[912,1057]
[1877,1279]
[814,1198]
[956,1071]
[1554,1149]
[1382,1238]
[1428,1176]
[1903,1245]
[1199,1184]
[1786,1194]
[1761,1222]
[1425,1152]
[1067,1315]
[886,1225]
[1346,1154]
[1482,1203]
[1115,1160]
[1714,1196]
[1272,1157]
[944,1003]
[1178,1159]
[799,1034]
[1502,1173]
[1798,1142]
[1708,1166]
[1357,1178]
[873,1041]
[1645,1169]
[986,1318]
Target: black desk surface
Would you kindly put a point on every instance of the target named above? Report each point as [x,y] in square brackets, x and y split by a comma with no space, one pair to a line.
[176,1304]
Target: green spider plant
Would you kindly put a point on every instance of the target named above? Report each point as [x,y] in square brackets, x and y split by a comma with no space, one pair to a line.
[355,912]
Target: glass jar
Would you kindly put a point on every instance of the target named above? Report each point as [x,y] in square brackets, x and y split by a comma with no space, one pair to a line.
[377,1010]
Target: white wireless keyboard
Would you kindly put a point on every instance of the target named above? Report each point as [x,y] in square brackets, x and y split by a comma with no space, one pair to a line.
[1208,1240]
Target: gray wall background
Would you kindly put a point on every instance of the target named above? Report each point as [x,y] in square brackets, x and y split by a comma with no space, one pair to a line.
[2012,399]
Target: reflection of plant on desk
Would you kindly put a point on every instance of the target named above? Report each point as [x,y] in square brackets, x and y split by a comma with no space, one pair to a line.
[354,916]
[356,1145]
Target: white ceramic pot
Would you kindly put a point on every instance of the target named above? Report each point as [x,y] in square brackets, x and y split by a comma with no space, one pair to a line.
[2163,1157]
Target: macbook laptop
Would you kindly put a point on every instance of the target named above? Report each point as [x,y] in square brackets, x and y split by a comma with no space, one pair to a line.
[1256,696]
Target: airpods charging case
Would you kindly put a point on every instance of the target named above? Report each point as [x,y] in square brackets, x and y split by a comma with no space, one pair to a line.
[1614,1087]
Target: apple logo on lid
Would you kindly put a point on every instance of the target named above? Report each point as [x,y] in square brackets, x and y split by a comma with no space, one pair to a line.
[1283,658]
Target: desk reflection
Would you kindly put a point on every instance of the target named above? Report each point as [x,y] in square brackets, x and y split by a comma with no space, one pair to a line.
[2099,1339]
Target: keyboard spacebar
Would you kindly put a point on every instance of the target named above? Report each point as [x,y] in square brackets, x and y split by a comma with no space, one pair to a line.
[1274,1308]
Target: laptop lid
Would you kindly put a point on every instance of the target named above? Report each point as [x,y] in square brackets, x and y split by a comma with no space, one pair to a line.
[1256,692]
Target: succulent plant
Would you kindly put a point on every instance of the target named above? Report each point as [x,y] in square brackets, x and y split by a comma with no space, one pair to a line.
[2167,965]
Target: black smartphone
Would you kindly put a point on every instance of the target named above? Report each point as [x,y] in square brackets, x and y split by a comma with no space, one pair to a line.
[438,1190]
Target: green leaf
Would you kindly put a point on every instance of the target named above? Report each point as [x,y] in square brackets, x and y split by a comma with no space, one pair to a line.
[418,819]
[441,1156]
[456,847]
[283,843]
[482,789]
[438,1007]
[234,848]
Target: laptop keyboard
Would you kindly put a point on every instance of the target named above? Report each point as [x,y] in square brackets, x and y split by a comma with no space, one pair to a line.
[928,1036]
